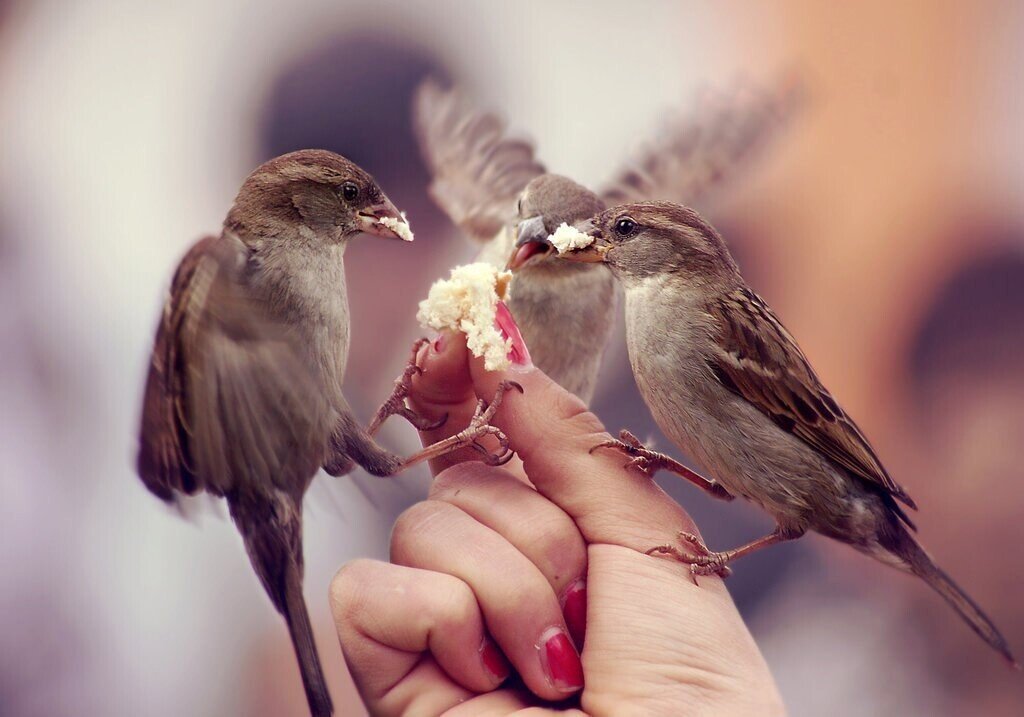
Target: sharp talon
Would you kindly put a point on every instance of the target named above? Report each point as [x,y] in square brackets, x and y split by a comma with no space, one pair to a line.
[513,384]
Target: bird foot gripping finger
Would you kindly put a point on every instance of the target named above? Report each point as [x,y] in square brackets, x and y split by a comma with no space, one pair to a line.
[469,437]
[701,561]
[650,462]
[480,426]
[395,403]
[644,460]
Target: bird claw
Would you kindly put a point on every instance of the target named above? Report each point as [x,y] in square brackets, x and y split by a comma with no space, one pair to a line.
[646,461]
[702,561]
[650,462]
[480,426]
[395,403]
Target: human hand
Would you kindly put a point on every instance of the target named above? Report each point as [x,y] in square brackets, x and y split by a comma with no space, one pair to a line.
[493,573]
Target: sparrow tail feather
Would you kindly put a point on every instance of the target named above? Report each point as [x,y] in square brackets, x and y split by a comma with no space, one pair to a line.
[921,564]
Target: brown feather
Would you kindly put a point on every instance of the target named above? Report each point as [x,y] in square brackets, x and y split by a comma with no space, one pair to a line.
[760,361]
[698,151]
[230,398]
[478,172]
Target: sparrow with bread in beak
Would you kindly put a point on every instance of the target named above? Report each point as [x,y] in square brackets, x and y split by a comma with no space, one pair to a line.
[727,383]
[494,189]
[244,394]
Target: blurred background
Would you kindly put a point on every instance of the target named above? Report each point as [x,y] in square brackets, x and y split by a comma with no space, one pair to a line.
[884,224]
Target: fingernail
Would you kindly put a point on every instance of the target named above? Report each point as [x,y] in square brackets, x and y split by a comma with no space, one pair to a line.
[574,608]
[559,660]
[494,662]
[518,354]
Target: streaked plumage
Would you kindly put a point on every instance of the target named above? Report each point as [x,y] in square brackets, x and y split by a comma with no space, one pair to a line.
[496,191]
[243,398]
[728,384]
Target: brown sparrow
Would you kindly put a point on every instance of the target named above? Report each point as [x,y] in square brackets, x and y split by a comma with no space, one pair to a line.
[244,394]
[493,188]
[727,383]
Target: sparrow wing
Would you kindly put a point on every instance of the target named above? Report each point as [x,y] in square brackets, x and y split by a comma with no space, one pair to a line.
[696,152]
[478,172]
[758,359]
[230,397]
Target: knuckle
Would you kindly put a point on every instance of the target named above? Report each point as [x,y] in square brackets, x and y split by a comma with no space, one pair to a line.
[459,476]
[559,545]
[418,520]
[574,416]
[456,607]
[346,585]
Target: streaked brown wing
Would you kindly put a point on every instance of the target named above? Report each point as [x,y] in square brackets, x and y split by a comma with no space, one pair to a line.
[230,399]
[695,152]
[478,172]
[760,361]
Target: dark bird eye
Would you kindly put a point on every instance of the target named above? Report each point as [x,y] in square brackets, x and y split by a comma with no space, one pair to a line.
[349,191]
[625,226]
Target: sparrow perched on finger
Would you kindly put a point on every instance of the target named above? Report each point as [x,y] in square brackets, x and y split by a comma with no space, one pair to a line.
[244,394]
[496,191]
[727,383]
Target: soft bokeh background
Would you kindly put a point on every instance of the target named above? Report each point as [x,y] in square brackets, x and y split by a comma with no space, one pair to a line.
[885,226]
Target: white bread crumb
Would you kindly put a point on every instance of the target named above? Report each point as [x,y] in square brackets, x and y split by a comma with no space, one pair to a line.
[401,228]
[467,302]
[567,238]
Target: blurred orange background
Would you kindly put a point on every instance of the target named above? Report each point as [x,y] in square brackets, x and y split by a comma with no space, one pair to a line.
[885,226]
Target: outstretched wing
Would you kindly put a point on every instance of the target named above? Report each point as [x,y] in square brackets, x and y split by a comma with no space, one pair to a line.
[230,399]
[696,152]
[477,171]
[759,360]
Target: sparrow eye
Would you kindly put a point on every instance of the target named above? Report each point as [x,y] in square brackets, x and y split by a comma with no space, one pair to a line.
[349,191]
[625,226]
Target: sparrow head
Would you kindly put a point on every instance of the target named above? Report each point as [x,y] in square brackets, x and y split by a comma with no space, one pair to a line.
[325,192]
[648,239]
[548,201]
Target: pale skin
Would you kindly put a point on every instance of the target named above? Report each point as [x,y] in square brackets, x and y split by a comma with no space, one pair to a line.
[493,554]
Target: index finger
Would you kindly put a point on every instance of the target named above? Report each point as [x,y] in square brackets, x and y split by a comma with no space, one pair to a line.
[553,431]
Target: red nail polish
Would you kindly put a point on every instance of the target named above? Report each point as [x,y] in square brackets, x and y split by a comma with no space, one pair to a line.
[574,607]
[518,354]
[494,661]
[559,660]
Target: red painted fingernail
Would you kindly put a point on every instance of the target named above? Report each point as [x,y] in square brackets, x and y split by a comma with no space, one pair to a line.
[494,661]
[559,660]
[518,354]
[574,607]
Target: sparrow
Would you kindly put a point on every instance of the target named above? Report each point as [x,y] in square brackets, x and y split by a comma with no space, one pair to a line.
[496,191]
[243,398]
[728,384]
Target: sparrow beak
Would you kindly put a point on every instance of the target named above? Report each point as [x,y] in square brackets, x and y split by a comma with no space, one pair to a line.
[531,241]
[384,220]
[591,254]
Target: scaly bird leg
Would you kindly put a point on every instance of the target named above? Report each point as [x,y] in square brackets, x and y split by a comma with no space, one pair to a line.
[469,437]
[705,562]
[650,462]
[395,404]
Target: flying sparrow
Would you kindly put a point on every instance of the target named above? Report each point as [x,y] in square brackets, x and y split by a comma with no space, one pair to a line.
[727,383]
[244,394]
[493,188]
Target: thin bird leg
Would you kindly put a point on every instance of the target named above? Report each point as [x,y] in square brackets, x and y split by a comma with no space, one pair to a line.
[705,562]
[650,462]
[395,404]
[479,426]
